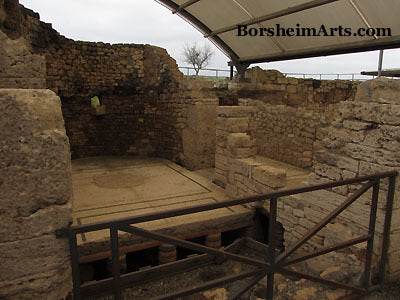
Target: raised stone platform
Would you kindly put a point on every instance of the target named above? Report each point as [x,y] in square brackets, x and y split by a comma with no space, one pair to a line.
[107,188]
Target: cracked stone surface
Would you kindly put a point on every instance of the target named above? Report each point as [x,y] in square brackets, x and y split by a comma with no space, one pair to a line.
[35,195]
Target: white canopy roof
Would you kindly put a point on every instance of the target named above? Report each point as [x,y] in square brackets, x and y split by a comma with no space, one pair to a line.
[219,19]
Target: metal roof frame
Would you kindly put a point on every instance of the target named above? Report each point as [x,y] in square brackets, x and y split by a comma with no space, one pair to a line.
[180,10]
[353,47]
[386,73]
[281,13]
[339,48]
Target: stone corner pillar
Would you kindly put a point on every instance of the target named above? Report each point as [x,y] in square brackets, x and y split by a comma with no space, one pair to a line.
[239,121]
[35,196]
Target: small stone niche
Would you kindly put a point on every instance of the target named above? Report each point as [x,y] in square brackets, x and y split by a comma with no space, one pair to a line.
[99,110]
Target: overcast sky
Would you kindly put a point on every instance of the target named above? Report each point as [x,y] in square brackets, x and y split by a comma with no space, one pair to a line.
[148,22]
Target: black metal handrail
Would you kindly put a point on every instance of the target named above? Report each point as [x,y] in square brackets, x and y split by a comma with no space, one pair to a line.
[275,264]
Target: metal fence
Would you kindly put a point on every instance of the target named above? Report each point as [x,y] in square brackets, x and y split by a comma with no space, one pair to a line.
[331,76]
[211,73]
[221,73]
[274,262]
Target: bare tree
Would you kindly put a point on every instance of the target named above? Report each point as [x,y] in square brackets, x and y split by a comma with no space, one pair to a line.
[198,57]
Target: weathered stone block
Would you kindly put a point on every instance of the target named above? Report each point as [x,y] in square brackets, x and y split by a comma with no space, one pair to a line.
[325,157]
[381,90]
[331,172]
[234,124]
[35,180]
[291,89]
[44,221]
[270,176]
[240,140]
[356,125]
[35,150]
[240,167]
[54,284]
[33,256]
[336,233]
[18,67]
[242,152]
[298,213]
[199,138]
[235,111]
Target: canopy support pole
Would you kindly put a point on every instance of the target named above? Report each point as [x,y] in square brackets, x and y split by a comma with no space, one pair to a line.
[380,63]
[241,69]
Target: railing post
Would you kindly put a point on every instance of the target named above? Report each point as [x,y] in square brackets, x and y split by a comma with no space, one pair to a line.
[73,248]
[115,262]
[386,230]
[271,246]
[371,233]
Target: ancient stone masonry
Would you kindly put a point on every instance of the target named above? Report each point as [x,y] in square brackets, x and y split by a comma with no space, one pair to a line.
[18,67]
[360,138]
[199,134]
[365,139]
[35,196]
[291,112]
[232,120]
[139,85]
[238,167]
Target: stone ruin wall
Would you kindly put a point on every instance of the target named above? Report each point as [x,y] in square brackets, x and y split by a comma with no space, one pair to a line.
[291,112]
[285,118]
[35,178]
[365,139]
[140,86]
[35,196]
[362,139]
[312,124]
[146,101]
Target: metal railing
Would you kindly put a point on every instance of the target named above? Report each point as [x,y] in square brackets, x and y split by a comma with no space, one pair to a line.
[221,73]
[274,264]
[211,73]
[331,76]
